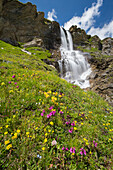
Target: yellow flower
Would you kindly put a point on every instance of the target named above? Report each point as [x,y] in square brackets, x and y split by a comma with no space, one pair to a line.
[110,139]
[6,126]
[27,133]
[45,140]
[43,148]
[49,131]
[82,123]
[60,95]
[0,145]
[87,143]
[14,116]
[6,142]
[10,91]
[5,133]
[1,127]
[9,146]
[75,128]
[90,152]
[51,123]
[18,131]
[75,122]
[36,128]
[45,134]
[73,153]
[52,131]
[2,84]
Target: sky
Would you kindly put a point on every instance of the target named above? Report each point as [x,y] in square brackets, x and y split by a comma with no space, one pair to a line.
[94,16]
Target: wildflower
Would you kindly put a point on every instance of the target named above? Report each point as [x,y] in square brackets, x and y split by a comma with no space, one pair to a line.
[5,133]
[75,128]
[53,112]
[17,86]
[18,131]
[2,84]
[51,108]
[61,112]
[72,150]
[83,151]
[7,142]
[42,114]
[95,144]
[14,116]
[9,146]
[38,156]
[63,148]
[110,139]
[54,142]
[27,133]
[15,83]
[45,140]
[10,91]
[46,134]
[43,111]
[1,127]
[6,126]
[82,123]
[13,76]
[71,130]
[9,82]
[73,124]
[51,123]
[43,148]
[67,149]
[36,128]
[48,116]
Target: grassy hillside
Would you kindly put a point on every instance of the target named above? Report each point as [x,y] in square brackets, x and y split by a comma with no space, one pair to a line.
[47,123]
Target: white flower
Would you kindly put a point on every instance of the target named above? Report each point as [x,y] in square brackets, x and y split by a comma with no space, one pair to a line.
[54,142]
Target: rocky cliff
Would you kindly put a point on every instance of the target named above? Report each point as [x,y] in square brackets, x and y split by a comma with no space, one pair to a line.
[22,23]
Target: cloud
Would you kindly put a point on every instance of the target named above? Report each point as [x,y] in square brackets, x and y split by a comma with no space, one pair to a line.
[105,31]
[87,19]
[51,15]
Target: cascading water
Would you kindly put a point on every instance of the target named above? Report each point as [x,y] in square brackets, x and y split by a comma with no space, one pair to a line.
[73,66]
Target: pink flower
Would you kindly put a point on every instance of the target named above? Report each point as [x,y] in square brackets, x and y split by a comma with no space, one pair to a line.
[81,153]
[17,86]
[42,114]
[84,152]
[63,148]
[73,124]
[61,112]
[43,111]
[67,123]
[48,116]
[51,108]
[13,76]
[54,142]
[70,130]
[95,144]
[9,82]
[16,83]
[67,149]
[71,150]
[53,112]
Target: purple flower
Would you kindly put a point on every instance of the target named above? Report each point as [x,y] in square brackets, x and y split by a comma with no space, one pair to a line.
[13,76]
[42,114]
[84,152]
[67,149]
[63,148]
[9,82]
[71,150]
[61,112]
[70,131]
[48,116]
[67,123]
[73,124]
[53,112]
[43,111]
[81,153]
[16,83]
[95,144]
[17,86]
[51,108]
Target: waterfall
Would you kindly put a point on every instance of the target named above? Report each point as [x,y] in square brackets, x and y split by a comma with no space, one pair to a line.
[73,65]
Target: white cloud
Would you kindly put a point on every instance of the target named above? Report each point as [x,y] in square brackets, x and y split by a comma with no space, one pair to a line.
[105,31]
[52,15]
[87,19]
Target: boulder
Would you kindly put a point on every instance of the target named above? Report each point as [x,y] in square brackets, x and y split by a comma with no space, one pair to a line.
[107,46]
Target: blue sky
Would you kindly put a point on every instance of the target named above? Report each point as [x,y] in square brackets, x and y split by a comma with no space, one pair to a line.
[94,16]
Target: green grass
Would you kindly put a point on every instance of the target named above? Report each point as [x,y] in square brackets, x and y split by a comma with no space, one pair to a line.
[38,108]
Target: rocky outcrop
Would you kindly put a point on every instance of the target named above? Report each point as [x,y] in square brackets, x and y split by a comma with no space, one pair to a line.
[101,79]
[22,23]
[107,46]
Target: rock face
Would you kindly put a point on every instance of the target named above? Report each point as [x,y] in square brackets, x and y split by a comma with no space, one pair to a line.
[107,46]
[101,79]
[22,23]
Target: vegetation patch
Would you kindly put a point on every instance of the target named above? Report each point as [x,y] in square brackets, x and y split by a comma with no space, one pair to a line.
[46,122]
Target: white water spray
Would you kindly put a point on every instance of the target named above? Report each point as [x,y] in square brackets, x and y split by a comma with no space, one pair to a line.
[73,66]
